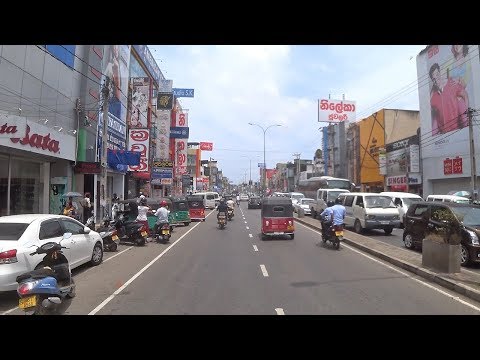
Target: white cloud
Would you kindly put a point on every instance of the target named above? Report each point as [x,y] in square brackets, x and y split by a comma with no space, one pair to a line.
[235,85]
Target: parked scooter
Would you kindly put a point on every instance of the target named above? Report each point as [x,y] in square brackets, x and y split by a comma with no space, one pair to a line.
[131,231]
[109,235]
[42,291]
[222,220]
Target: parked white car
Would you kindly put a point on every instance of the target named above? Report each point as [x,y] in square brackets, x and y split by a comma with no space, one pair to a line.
[305,204]
[21,234]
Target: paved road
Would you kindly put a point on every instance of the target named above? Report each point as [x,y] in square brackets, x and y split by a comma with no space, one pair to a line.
[205,270]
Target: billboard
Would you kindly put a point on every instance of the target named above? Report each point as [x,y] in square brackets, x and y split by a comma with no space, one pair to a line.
[144,53]
[139,141]
[163,138]
[372,141]
[181,119]
[116,62]
[336,110]
[140,99]
[206,146]
[446,76]
[116,133]
[179,132]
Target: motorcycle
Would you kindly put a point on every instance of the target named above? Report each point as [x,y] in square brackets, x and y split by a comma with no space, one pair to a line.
[163,233]
[42,291]
[130,231]
[222,220]
[334,234]
[91,221]
[229,214]
[109,235]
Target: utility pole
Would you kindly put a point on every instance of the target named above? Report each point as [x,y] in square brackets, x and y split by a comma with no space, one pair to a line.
[103,159]
[473,165]
[297,156]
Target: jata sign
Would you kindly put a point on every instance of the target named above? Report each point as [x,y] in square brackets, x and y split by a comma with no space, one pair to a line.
[336,110]
[139,141]
[15,132]
[206,146]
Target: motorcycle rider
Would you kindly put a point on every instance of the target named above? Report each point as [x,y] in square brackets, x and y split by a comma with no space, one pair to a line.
[142,213]
[326,218]
[338,213]
[238,199]
[231,205]
[222,207]
[162,216]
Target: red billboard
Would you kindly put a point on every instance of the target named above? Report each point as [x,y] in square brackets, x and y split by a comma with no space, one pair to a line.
[206,146]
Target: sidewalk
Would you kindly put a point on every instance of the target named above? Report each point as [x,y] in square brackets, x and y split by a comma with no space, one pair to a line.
[465,282]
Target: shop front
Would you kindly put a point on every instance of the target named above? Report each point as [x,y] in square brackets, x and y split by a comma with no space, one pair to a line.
[411,183]
[35,168]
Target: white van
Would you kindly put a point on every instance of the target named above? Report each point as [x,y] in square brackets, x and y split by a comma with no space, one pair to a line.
[448,198]
[402,201]
[295,196]
[370,211]
[210,199]
[322,197]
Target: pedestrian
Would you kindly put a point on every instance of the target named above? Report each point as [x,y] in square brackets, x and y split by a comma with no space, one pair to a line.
[87,206]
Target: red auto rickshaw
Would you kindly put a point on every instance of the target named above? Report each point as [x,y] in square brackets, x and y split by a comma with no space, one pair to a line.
[196,207]
[277,217]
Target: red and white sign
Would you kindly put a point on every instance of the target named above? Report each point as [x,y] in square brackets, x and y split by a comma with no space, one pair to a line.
[336,110]
[453,166]
[139,141]
[19,133]
[166,181]
[181,119]
[457,165]
[396,180]
[206,146]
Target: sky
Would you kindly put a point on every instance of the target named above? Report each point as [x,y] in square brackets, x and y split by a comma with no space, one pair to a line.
[281,84]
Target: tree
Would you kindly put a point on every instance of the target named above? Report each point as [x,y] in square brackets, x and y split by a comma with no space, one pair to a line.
[318,154]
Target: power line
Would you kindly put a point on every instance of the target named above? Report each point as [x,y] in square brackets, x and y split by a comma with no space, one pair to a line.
[413,85]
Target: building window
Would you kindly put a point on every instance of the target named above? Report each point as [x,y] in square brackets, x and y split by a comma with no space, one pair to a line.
[25,187]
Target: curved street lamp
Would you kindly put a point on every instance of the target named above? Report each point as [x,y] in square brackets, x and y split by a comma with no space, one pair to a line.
[264,163]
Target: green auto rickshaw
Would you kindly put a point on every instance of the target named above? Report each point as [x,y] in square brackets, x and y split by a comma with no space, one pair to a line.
[179,211]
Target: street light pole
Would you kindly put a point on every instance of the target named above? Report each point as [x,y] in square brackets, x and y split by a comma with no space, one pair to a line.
[264,172]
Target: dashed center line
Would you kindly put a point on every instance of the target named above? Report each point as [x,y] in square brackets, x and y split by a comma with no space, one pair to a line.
[250,235]
[279,311]
[255,247]
[264,270]
[245,222]
[248,228]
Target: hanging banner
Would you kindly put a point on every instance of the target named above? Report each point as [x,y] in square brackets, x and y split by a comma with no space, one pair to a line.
[181,119]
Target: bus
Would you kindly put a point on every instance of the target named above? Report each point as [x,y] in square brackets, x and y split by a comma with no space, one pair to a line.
[310,186]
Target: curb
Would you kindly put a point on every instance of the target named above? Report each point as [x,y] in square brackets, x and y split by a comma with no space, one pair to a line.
[425,273]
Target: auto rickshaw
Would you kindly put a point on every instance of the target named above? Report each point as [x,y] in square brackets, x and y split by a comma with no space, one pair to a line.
[179,213]
[277,217]
[196,207]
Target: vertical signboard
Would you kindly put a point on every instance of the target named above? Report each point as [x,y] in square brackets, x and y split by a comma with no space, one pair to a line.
[139,141]
[163,138]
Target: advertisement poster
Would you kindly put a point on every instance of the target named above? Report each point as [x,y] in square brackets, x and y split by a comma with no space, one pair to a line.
[446,90]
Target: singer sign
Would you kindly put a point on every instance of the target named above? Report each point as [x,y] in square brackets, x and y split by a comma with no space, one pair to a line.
[336,110]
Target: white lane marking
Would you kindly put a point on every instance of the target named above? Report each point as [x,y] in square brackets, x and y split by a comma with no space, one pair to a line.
[255,247]
[110,258]
[128,282]
[457,298]
[264,270]
[279,311]
[121,252]
[9,311]
[245,222]
[250,235]
[248,228]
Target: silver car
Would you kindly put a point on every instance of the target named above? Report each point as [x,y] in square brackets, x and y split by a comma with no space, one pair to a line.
[21,234]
